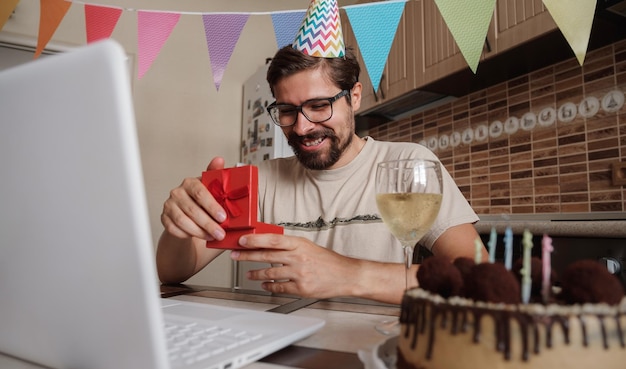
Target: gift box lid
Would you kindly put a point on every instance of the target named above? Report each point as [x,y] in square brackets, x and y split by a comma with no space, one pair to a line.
[236,189]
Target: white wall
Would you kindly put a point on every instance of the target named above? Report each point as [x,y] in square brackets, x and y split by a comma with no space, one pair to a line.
[182,120]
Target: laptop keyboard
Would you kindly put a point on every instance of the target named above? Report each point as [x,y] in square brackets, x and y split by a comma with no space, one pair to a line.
[189,343]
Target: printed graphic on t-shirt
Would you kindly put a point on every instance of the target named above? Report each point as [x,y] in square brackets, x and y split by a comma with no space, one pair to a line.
[320,224]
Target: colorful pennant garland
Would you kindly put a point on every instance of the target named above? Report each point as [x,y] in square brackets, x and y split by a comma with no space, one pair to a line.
[574,18]
[6,9]
[286,25]
[154,28]
[222,33]
[100,21]
[51,14]
[468,21]
[374,25]
[375,38]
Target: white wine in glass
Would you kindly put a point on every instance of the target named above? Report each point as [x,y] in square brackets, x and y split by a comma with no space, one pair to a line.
[408,196]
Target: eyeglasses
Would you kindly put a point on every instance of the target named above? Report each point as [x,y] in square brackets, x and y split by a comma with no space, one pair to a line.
[315,110]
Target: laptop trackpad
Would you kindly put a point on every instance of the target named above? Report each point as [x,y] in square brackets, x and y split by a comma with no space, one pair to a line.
[199,311]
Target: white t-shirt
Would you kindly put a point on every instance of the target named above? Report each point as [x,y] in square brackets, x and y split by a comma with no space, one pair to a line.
[337,209]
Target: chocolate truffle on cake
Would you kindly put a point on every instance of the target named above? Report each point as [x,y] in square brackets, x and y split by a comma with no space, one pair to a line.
[464,265]
[492,283]
[588,281]
[438,275]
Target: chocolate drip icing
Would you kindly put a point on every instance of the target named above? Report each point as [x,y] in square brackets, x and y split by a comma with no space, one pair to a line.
[583,326]
[477,317]
[536,340]
[524,322]
[605,341]
[455,322]
[431,333]
[419,315]
[620,335]
[563,322]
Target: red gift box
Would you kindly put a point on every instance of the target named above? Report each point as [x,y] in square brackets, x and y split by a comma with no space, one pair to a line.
[236,189]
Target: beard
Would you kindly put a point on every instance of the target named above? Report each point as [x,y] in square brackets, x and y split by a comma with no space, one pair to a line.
[319,160]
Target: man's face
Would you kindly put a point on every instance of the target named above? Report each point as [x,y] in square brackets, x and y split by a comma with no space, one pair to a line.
[317,145]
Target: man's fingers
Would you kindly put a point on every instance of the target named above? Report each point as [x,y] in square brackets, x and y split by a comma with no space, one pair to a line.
[182,227]
[268,274]
[266,241]
[196,201]
[216,163]
[286,287]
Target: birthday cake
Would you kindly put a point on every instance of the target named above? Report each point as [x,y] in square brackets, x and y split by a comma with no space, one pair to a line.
[468,315]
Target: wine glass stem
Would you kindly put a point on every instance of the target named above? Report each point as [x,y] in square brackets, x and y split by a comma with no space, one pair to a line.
[408,261]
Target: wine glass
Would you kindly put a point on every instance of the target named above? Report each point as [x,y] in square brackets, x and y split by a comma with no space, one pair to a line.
[408,196]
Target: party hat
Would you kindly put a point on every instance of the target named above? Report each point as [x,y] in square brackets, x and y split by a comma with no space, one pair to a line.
[320,34]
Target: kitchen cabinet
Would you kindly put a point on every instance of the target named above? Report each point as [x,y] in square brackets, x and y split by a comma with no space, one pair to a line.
[424,51]
[441,55]
[399,74]
[519,21]
[514,23]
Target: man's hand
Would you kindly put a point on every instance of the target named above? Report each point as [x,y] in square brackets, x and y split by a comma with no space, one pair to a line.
[191,210]
[301,267]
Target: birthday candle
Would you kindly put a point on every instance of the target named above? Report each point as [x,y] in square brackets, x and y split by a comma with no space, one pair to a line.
[527,243]
[546,250]
[508,248]
[478,253]
[493,237]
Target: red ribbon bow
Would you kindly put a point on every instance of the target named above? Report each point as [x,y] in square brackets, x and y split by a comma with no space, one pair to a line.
[226,198]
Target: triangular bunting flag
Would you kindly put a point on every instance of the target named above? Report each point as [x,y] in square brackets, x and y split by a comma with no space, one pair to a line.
[468,21]
[286,26]
[153,28]
[574,18]
[51,14]
[375,27]
[100,21]
[222,33]
[6,9]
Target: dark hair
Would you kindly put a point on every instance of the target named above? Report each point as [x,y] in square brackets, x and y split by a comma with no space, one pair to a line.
[343,72]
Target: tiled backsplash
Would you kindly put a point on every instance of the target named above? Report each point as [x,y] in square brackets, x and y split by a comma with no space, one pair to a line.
[541,143]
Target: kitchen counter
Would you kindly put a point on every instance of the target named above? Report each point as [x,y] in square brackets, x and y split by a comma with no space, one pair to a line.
[575,225]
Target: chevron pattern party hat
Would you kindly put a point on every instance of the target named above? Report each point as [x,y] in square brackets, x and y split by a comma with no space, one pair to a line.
[320,34]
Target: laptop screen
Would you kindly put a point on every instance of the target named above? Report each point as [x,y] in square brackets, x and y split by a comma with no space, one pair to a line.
[78,283]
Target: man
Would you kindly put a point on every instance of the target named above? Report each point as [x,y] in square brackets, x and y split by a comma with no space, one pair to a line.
[335,243]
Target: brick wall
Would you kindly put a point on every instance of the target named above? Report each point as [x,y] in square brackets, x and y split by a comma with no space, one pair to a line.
[544,142]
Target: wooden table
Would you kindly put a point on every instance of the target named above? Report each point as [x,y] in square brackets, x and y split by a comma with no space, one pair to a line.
[349,326]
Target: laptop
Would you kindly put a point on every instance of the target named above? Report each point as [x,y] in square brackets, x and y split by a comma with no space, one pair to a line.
[78,284]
